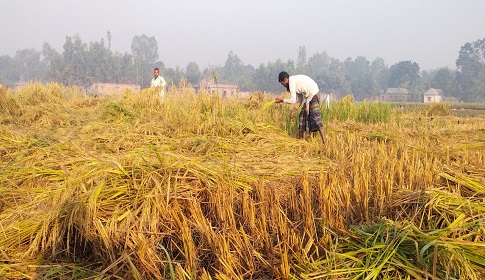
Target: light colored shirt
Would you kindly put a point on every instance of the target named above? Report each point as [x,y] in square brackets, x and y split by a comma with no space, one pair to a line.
[302,90]
[159,82]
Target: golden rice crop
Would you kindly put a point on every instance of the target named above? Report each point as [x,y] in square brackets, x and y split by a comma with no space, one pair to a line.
[201,187]
[267,104]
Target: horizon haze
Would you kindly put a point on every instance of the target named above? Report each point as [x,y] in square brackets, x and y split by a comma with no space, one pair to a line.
[430,32]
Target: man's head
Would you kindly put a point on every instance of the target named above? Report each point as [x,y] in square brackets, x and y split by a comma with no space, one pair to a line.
[156,71]
[284,79]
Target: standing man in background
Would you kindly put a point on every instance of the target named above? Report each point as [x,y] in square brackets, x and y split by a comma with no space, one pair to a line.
[303,90]
[158,82]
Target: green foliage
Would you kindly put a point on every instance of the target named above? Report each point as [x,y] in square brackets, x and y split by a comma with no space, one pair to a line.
[145,53]
[393,250]
[444,79]
[346,109]
[114,111]
[8,71]
[358,74]
[29,65]
[193,74]
[477,106]
[82,64]
[471,78]
[404,74]
[438,109]
[144,49]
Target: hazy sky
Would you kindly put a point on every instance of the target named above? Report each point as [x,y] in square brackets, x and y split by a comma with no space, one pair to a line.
[429,32]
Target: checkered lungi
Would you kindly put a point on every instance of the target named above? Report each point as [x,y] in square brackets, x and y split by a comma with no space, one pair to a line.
[313,121]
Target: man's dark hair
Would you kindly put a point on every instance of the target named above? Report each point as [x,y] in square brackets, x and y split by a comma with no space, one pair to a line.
[282,76]
[156,69]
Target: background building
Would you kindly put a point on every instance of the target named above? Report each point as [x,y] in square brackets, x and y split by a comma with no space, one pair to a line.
[226,90]
[100,89]
[394,95]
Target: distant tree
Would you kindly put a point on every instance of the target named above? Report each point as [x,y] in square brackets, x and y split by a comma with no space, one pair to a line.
[192,73]
[404,74]
[358,75]
[246,80]
[232,67]
[145,52]
[208,72]
[335,81]
[318,68]
[109,36]
[74,68]
[471,75]
[266,76]
[378,76]
[99,64]
[7,76]
[144,48]
[123,70]
[444,78]
[302,60]
[265,80]
[82,64]
[173,75]
[29,65]
[54,63]
[234,71]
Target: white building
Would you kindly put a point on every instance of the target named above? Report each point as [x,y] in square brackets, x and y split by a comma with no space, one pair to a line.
[432,95]
[104,89]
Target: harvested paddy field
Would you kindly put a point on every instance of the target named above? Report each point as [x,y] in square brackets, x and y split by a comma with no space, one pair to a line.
[201,187]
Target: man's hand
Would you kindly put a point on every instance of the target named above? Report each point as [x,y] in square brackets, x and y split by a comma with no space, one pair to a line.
[292,114]
[278,100]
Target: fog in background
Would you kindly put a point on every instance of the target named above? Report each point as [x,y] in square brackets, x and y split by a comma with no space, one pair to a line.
[428,32]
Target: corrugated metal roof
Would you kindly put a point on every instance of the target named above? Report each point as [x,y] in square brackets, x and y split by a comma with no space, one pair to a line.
[432,92]
[397,91]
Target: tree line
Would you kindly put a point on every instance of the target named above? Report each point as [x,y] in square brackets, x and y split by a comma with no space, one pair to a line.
[82,64]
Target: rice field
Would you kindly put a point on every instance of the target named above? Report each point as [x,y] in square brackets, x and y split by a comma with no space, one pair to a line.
[200,187]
